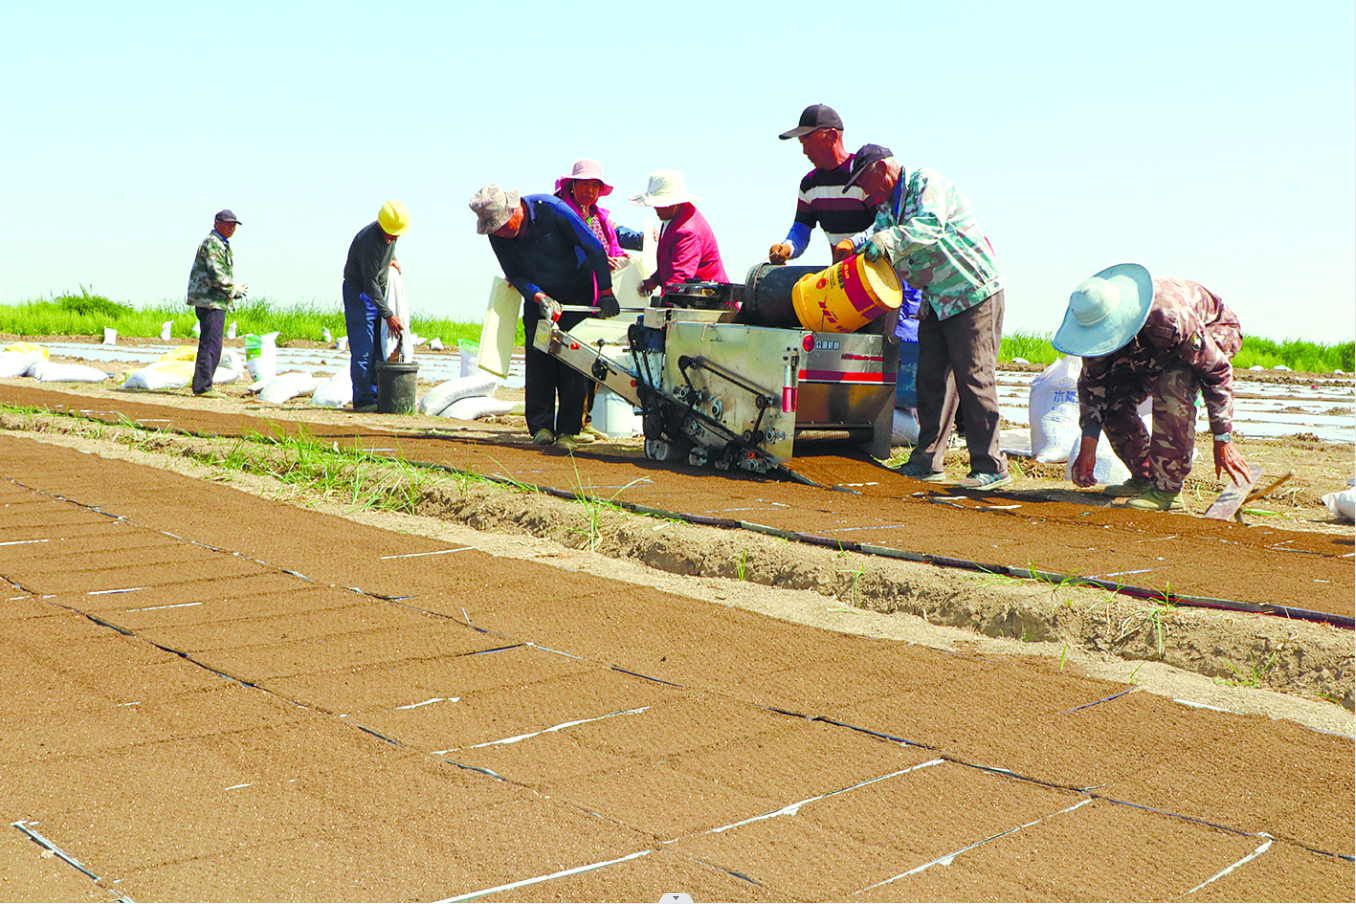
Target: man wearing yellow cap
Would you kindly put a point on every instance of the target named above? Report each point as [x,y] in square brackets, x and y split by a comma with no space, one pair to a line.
[1142,336]
[370,258]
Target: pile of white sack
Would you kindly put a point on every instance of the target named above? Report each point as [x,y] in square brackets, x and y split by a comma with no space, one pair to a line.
[174,370]
[24,360]
[465,398]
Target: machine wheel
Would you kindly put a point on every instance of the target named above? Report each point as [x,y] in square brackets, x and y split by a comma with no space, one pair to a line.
[663,450]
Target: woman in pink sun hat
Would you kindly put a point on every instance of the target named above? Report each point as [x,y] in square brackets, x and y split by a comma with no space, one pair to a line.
[581,190]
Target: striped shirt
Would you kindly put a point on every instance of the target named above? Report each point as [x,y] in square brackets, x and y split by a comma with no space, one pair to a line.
[822,203]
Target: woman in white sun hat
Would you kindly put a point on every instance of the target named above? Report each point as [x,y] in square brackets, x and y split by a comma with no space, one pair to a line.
[687,247]
[1141,336]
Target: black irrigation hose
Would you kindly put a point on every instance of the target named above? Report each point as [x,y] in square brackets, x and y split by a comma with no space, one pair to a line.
[1145,593]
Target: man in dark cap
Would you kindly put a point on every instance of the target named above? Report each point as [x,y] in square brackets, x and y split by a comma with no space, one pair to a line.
[212,291]
[822,200]
[929,234]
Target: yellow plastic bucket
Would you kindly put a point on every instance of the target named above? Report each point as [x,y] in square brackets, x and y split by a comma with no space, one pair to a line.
[847,296]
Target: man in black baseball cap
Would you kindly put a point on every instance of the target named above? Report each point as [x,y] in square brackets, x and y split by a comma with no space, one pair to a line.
[821,201]
[928,232]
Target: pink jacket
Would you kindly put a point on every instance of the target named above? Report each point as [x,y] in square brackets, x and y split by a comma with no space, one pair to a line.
[610,245]
[688,250]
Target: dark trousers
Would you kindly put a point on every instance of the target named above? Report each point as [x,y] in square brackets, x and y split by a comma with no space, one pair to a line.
[966,345]
[211,326]
[363,321]
[548,377]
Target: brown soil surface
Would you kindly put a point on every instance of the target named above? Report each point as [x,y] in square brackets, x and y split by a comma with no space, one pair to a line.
[219,695]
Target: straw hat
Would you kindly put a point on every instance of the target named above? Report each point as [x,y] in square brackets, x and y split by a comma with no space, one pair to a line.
[586,169]
[666,189]
[1106,311]
[493,207]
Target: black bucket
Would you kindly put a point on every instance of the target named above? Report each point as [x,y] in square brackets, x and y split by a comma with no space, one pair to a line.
[767,296]
[397,387]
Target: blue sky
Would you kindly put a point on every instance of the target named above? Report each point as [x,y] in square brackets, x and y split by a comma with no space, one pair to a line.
[1211,141]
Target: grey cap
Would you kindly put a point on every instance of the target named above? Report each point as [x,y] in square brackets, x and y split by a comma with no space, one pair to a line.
[226,216]
[493,207]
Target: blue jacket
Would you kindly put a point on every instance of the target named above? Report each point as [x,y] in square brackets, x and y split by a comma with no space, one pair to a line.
[555,252]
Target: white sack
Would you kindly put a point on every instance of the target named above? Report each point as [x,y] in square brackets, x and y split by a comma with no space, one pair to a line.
[1343,504]
[336,392]
[905,429]
[444,394]
[262,356]
[230,369]
[395,300]
[285,387]
[1052,409]
[17,364]
[47,372]
[476,407]
[162,376]
[1108,469]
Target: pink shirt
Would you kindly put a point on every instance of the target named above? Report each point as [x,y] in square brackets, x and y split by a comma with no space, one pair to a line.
[688,250]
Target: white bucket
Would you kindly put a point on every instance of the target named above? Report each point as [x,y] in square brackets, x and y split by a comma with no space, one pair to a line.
[613,414]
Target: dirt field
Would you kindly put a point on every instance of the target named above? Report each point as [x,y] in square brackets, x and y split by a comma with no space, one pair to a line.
[687,740]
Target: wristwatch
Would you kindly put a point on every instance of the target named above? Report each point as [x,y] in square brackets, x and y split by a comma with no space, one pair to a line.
[1224,437]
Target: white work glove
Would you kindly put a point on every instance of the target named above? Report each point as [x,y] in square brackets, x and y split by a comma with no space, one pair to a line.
[239,290]
[550,308]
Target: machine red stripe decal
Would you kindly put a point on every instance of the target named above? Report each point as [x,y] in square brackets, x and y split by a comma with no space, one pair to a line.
[839,376]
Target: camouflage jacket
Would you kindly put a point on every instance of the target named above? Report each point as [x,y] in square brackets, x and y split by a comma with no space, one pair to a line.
[1187,323]
[210,284]
[935,244]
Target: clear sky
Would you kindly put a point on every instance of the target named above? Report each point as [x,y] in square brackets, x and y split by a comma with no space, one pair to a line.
[1214,141]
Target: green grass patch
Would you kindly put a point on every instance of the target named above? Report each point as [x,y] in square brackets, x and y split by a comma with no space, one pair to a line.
[86,314]
[1296,354]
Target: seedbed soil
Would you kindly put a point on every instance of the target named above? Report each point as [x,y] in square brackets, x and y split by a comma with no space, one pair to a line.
[413,683]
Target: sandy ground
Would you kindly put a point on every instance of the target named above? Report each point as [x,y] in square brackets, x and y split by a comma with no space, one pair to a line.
[218,695]
[730,709]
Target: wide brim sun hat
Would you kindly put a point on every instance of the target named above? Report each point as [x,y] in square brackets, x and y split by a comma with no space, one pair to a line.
[1106,311]
[493,207]
[666,189]
[586,169]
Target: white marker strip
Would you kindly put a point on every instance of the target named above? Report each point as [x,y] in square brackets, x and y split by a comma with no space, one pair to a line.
[1195,705]
[1229,869]
[22,542]
[170,606]
[945,860]
[560,727]
[415,555]
[238,787]
[533,881]
[793,809]
[427,702]
[122,590]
